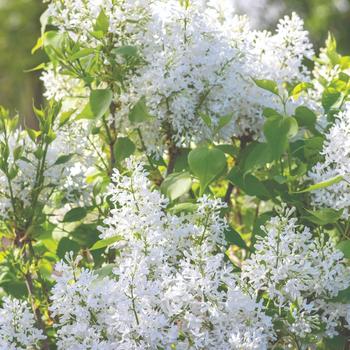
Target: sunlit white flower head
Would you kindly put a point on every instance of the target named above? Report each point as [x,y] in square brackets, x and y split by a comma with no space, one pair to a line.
[299,274]
[199,58]
[18,330]
[336,153]
[170,285]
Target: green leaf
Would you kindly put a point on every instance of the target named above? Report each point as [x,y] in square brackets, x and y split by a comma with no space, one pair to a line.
[312,148]
[305,117]
[53,43]
[344,247]
[324,216]
[38,67]
[139,112]
[250,184]
[301,87]
[98,34]
[206,119]
[66,245]
[223,121]
[277,130]
[323,184]
[106,242]
[336,343]
[181,162]
[82,53]
[256,154]
[175,185]
[13,287]
[228,149]
[86,113]
[75,214]
[64,159]
[269,112]
[33,134]
[100,100]
[343,297]
[123,148]
[331,49]
[329,98]
[206,164]
[85,235]
[102,23]
[233,237]
[65,116]
[268,85]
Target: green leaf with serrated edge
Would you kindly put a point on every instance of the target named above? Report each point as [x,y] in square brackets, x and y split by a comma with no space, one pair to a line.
[323,184]
[100,101]
[206,164]
[175,185]
[104,243]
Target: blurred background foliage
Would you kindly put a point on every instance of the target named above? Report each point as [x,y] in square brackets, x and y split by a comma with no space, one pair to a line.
[20,28]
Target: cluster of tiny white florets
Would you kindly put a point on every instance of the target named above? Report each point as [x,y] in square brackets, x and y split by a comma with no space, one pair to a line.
[336,162]
[58,86]
[200,58]
[170,284]
[17,326]
[299,274]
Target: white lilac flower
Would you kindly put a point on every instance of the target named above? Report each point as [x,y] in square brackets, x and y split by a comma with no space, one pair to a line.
[83,305]
[204,64]
[59,86]
[199,58]
[336,153]
[17,326]
[170,286]
[299,274]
